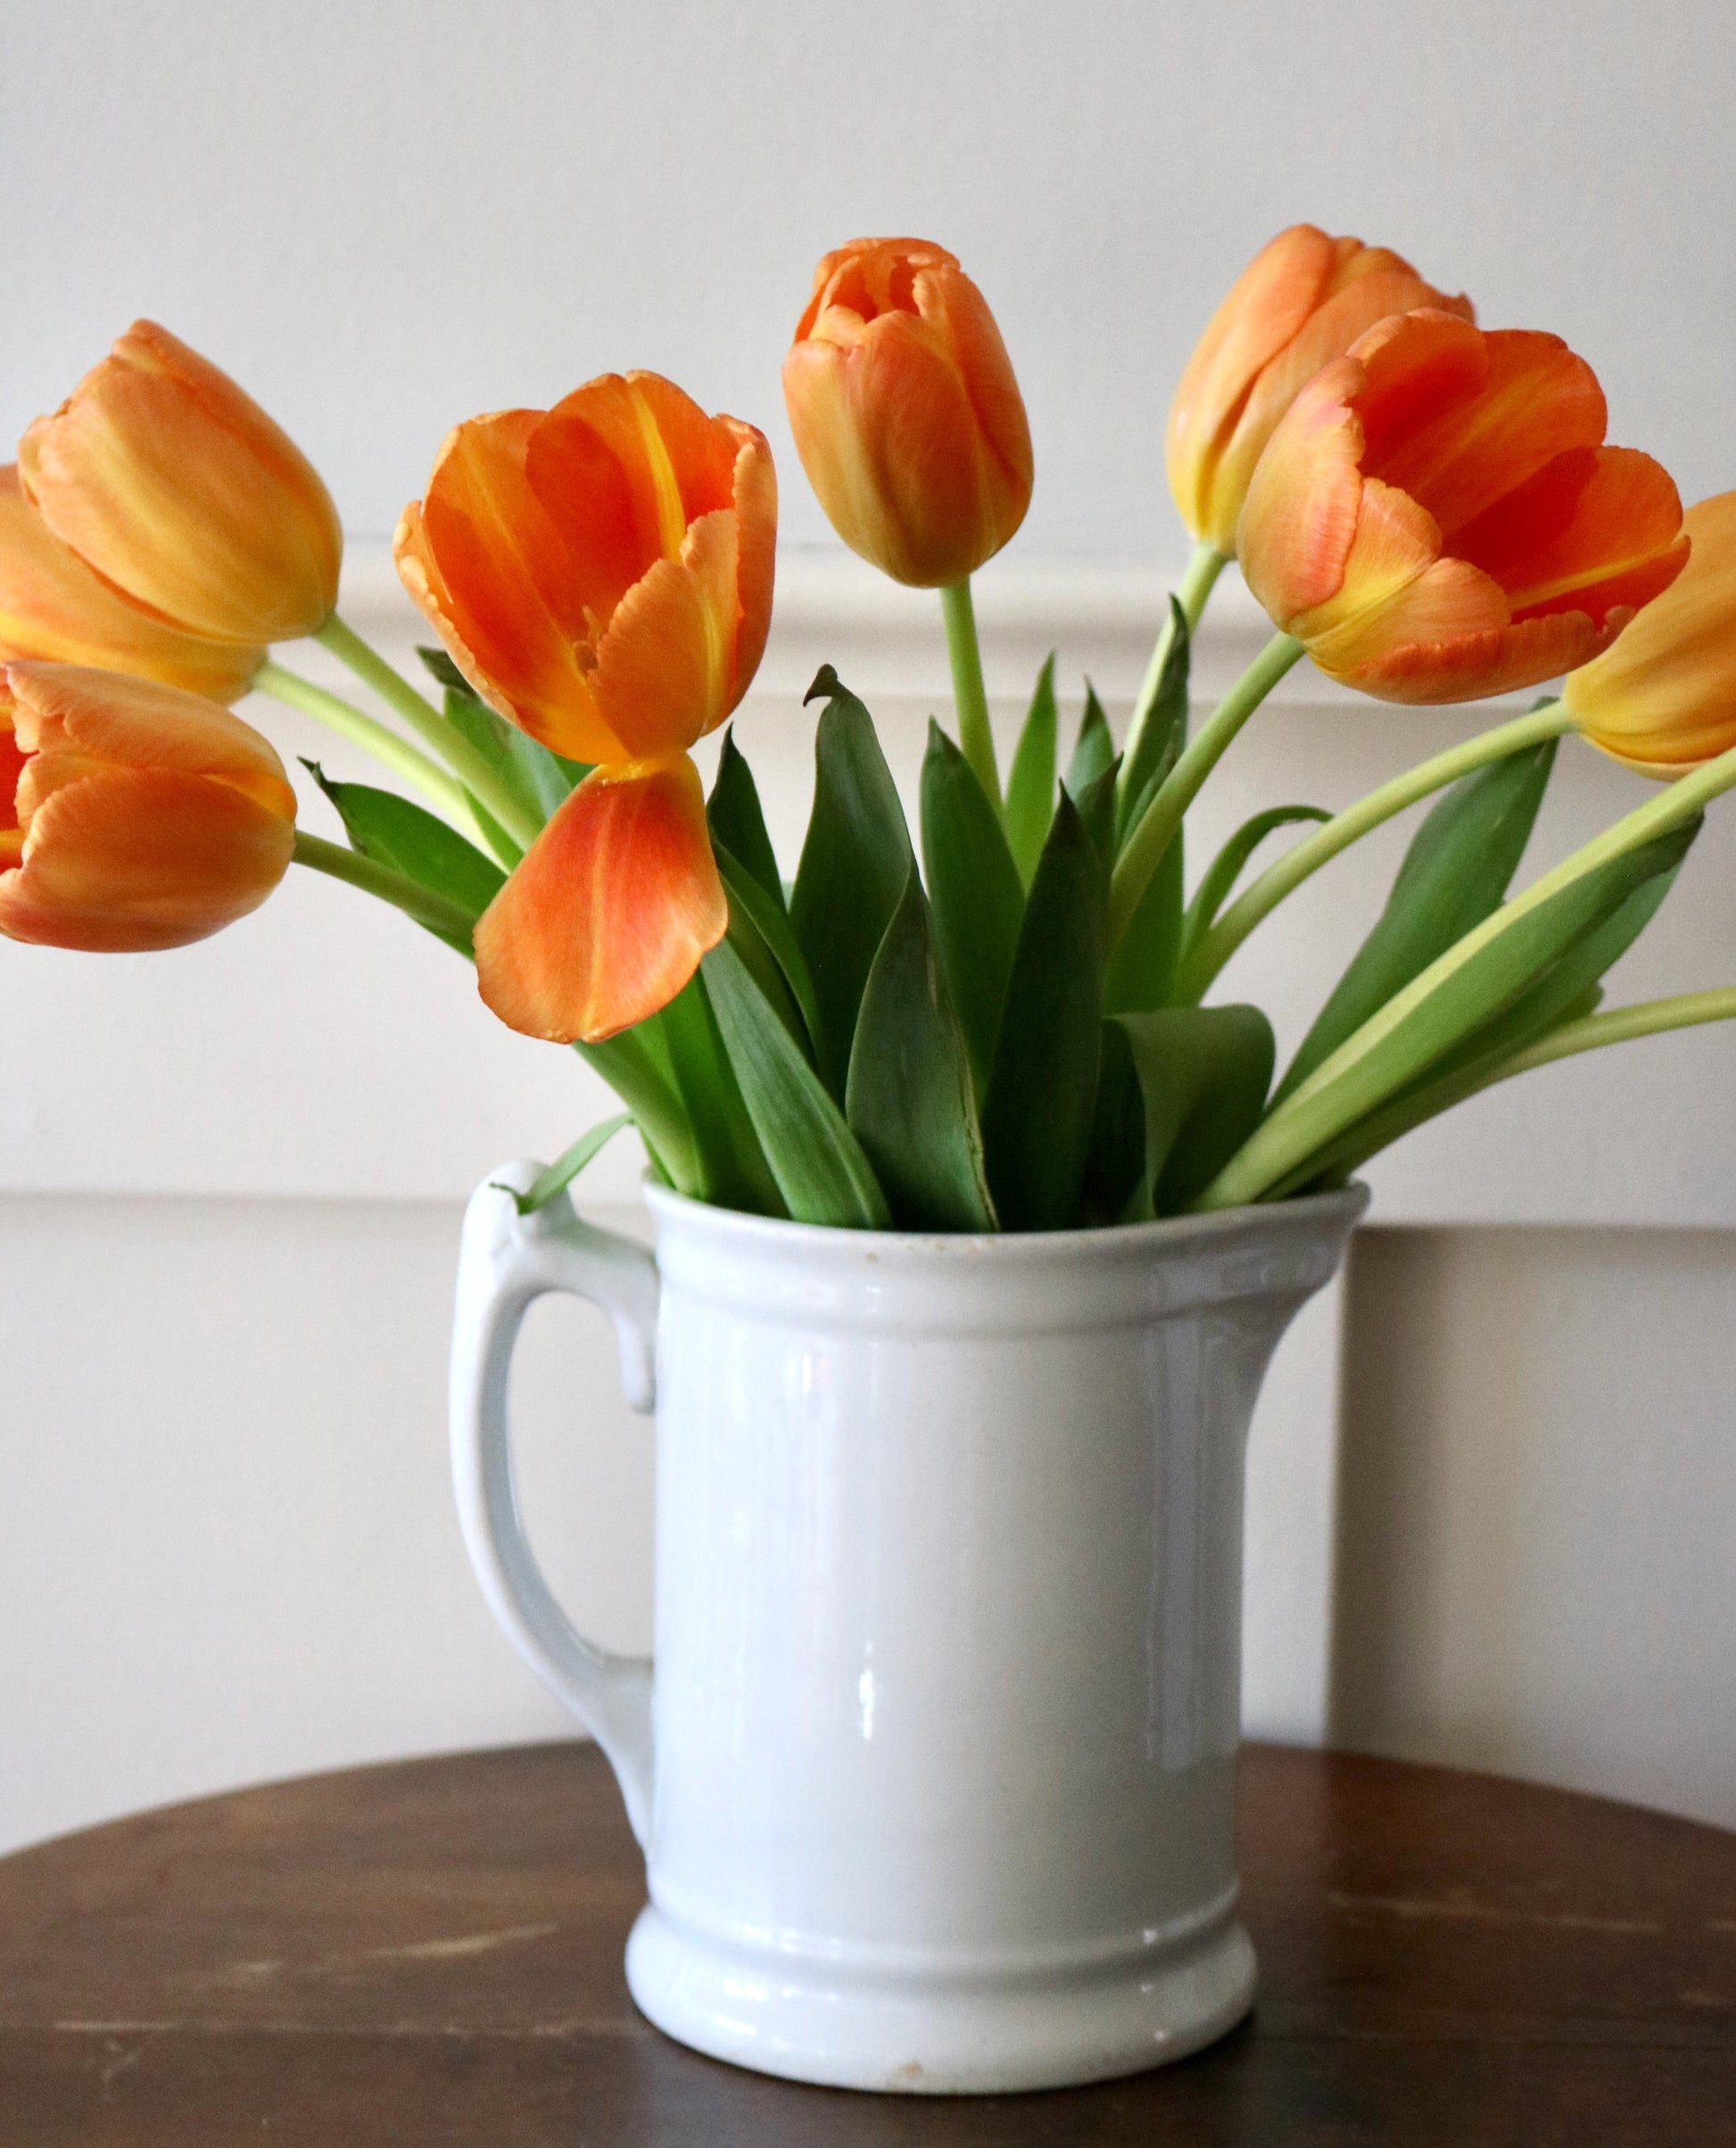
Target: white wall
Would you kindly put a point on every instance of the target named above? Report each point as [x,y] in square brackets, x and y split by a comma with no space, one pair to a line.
[229,1177]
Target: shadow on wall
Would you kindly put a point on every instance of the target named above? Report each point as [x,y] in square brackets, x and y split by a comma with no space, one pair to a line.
[1536,1504]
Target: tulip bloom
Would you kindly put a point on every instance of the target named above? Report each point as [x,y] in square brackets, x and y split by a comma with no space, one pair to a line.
[601,573]
[1301,301]
[54,608]
[1436,518]
[132,815]
[179,490]
[1664,698]
[906,415]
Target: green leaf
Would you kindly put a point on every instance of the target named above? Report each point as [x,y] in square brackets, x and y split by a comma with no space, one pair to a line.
[854,862]
[736,821]
[1093,749]
[1142,971]
[1454,875]
[540,778]
[1225,869]
[769,922]
[635,1065]
[394,831]
[975,892]
[1155,746]
[560,1175]
[735,1170]
[1096,808]
[1030,784]
[1038,1113]
[1203,1073]
[817,1162]
[910,1101]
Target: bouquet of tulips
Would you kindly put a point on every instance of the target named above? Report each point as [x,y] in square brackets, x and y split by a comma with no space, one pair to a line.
[1000,1025]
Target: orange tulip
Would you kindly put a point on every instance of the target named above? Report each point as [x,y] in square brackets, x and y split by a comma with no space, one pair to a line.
[179,490]
[52,607]
[1664,698]
[1301,301]
[132,815]
[1436,518]
[601,573]
[906,415]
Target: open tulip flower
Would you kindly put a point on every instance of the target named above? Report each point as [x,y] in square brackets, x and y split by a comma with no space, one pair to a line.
[54,608]
[1301,301]
[1663,699]
[179,491]
[601,573]
[133,816]
[1436,517]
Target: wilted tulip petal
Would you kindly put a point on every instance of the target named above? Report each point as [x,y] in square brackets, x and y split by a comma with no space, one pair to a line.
[608,914]
[600,572]
[54,608]
[178,489]
[906,414]
[133,816]
[1663,698]
[1301,301]
[1436,518]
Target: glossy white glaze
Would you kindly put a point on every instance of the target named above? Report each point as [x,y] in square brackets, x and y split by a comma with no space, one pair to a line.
[948,1605]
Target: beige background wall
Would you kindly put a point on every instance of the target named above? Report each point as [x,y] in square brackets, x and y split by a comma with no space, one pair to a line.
[230,1177]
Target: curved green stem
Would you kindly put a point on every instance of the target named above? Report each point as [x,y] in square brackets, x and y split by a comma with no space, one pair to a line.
[386,746]
[1305,858]
[1619,1026]
[1143,852]
[1203,571]
[1198,582]
[478,774]
[410,896]
[975,739]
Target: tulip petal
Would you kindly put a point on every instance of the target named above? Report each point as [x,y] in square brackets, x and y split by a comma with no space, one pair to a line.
[607,916]
[1593,528]
[177,488]
[1498,661]
[756,500]
[1300,520]
[131,859]
[1398,587]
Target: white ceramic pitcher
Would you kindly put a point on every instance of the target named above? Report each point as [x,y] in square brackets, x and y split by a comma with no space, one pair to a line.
[934,1769]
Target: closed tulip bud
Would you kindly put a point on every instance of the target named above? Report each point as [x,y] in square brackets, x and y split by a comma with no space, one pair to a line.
[905,413]
[601,573]
[1663,699]
[1436,518]
[132,815]
[1303,300]
[52,607]
[181,492]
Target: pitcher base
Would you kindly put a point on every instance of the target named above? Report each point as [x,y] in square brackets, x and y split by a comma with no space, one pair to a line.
[926,2034]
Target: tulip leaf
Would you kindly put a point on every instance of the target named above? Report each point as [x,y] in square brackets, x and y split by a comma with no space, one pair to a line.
[1225,869]
[734,1170]
[635,1065]
[817,1162]
[910,1100]
[736,821]
[1037,1115]
[854,862]
[394,831]
[1030,783]
[1096,801]
[1093,750]
[556,1178]
[764,938]
[542,780]
[1199,1077]
[1455,874]
[1155,742]
[976,895]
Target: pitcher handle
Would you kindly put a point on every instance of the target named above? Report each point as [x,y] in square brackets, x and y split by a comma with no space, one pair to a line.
[505,1261]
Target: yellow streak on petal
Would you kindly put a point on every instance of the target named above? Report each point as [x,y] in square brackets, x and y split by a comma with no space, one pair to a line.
[671,516]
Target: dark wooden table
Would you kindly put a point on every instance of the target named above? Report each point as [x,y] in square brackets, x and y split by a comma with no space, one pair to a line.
[430,1954]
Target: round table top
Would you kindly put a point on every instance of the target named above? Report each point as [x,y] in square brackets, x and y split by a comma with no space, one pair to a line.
[430,1954]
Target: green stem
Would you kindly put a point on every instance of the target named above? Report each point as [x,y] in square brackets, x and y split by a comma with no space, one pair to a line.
[386,746]
[410,896]
[1306,858]
[1645,1017]
[1328,1102]
[976,739]
[1143,852]
[1203,571]
[1198,582]
[472,767]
